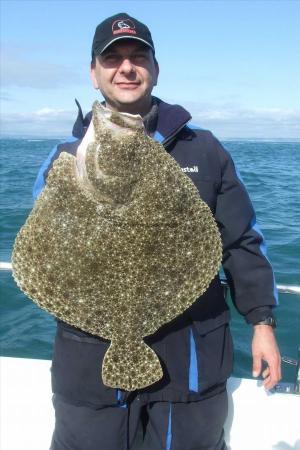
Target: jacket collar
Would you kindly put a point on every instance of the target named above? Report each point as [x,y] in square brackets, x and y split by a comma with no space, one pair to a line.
[171,119]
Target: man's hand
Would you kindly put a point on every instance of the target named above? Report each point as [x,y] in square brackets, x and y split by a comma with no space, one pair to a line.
[264,348]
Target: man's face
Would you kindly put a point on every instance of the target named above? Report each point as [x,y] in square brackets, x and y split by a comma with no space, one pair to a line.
[125,73]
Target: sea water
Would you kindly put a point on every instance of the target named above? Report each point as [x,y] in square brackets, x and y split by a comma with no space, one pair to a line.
[270,171]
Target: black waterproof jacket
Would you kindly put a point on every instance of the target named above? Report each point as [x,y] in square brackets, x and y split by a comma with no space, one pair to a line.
[195,349]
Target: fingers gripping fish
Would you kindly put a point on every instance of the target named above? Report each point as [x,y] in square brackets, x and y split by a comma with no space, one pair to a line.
[118,244]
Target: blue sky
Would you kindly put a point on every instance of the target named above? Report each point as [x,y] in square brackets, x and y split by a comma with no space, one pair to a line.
[235,65]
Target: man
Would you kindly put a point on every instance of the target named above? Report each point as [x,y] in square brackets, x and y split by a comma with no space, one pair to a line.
[188,407]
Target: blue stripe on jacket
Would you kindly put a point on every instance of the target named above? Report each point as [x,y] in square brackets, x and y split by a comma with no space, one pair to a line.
[194,126]
[40,180]
[262,245]
[120,404]
[263,249]
[193,368]
[158,137]
[169,431]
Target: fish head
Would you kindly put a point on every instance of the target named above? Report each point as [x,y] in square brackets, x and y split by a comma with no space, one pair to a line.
[108,157]
[119,124]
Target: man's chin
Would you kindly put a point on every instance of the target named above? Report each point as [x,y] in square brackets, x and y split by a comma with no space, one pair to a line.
[130,104]
[128,99]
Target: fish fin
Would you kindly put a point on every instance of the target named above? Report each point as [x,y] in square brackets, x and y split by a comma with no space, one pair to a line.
[130,367]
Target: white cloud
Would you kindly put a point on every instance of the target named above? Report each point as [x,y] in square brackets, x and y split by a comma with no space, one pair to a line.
[224,121]
[49,113]
[46,112]
[45,122]
[235,121]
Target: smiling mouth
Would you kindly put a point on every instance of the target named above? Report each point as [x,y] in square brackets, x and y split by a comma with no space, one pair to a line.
[127,85]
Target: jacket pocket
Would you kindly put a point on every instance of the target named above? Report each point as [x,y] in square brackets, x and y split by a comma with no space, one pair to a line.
[213,351]
[77,366]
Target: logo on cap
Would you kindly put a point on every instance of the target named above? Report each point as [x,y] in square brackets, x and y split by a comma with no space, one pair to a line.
[123,26]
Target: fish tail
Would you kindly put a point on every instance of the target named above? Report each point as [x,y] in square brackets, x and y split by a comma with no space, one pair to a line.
[130,366]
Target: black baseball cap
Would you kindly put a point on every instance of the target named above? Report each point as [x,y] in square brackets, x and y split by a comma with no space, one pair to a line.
[120,26]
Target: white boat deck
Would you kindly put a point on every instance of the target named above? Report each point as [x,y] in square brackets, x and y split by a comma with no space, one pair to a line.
[257,420]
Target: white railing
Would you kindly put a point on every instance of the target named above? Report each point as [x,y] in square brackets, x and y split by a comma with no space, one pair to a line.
[5,266]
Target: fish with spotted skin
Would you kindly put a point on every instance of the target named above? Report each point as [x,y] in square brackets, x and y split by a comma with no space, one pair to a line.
[118,244]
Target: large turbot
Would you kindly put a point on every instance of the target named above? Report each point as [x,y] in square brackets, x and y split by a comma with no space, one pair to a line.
[118,244]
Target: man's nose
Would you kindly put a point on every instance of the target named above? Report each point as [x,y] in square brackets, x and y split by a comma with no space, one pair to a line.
[126,66]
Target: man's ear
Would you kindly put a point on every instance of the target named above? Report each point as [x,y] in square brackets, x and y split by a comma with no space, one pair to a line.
[93,77]
[157,72]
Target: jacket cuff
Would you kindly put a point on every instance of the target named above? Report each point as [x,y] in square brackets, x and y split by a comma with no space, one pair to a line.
[258,314]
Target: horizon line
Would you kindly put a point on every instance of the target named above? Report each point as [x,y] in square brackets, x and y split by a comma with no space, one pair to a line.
[30,136]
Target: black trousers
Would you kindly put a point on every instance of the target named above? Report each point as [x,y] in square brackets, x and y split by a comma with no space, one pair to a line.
[154,426]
